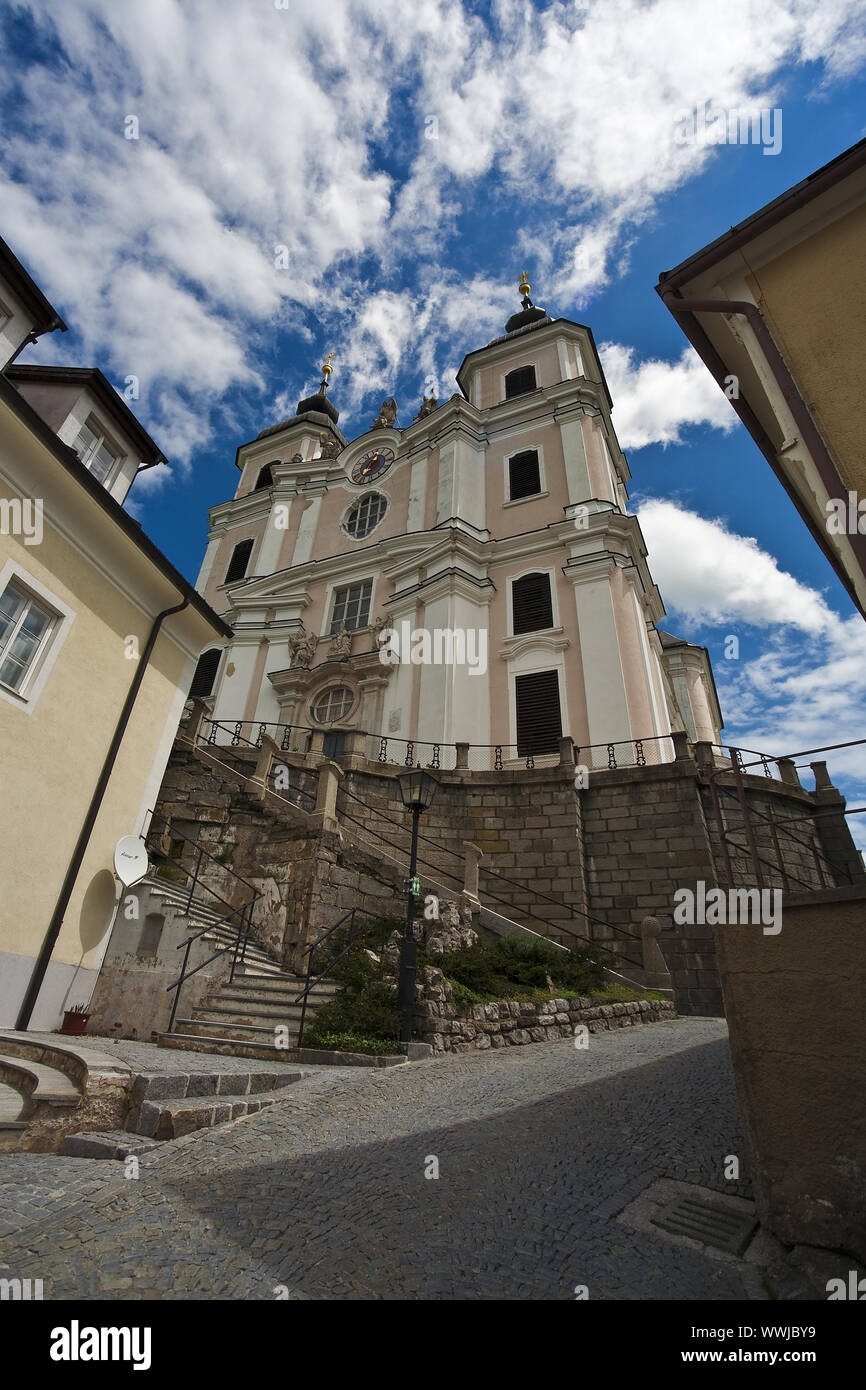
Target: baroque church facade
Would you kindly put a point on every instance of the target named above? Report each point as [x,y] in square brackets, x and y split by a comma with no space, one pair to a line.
[472,577]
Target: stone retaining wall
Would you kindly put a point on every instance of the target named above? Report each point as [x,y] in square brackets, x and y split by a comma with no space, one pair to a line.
[511,1022]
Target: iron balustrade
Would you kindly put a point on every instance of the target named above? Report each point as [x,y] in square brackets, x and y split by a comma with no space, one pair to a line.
[237,738]
[739,767]
[446,757]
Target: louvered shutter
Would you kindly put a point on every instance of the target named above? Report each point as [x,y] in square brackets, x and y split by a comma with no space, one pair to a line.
[531,603]
[539,725]
[518,382]
[205,672]
[524,477]
[239,561]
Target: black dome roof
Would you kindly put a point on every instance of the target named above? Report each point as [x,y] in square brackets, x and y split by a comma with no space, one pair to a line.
[318,405]
[524,319]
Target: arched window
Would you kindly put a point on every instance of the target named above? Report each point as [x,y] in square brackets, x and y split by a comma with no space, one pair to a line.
[265,478]
[205,673]
[518,382]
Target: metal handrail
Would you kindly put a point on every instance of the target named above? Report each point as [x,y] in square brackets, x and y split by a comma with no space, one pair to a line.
[739,769]
[243,928]
[242,934]
[557,902]
[238,738]
[181,834]
[314,945]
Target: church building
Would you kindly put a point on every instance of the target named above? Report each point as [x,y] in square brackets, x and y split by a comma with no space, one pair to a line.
[472,576]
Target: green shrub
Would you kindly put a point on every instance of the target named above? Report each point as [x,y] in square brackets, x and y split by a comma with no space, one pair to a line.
[513,965]
[370,1010]
[350,1042]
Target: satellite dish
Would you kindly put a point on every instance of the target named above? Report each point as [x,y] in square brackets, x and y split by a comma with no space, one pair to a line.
[130,860]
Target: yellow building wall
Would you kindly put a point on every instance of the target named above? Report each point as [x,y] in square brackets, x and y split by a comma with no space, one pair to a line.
[814,299]
[52,757]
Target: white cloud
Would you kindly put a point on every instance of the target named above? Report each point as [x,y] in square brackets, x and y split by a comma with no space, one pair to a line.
[654,400]
[805,689]
[708,574]
[305,127]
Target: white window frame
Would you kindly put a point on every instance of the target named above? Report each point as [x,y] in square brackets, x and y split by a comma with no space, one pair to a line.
[40,669]
[334,589]
[535,660]
[357,502]
[540,631]
[542,476]
[509,400]
[322,693]
[103,437]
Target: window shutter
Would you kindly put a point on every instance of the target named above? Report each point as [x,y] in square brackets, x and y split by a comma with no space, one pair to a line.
[518,382]
[205,672]
[239,561]
[539,725]
[531,603]
[524,475]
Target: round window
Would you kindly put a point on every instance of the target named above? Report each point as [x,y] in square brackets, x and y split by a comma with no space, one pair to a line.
[333,704]
[365,515]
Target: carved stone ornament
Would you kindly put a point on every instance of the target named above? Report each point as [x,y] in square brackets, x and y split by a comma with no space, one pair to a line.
[387,414]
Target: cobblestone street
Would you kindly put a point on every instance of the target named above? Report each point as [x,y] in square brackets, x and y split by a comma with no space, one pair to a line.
[538,1149]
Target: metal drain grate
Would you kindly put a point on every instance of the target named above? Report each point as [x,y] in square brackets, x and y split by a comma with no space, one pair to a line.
[713,1223]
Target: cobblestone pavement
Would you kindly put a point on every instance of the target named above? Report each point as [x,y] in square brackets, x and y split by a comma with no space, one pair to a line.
[325,1196]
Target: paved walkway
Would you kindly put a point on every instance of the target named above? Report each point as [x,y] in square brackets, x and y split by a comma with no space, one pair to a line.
[325,1196]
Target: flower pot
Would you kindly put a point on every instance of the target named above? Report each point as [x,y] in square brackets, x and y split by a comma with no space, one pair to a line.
[74,1024]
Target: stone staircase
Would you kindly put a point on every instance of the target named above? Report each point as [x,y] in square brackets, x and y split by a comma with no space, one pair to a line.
[240,1017]
[49,1089]
[60,1094]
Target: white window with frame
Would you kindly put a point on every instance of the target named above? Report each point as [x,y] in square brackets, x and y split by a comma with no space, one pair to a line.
[96,451]
[352,606]
[333,704]
[26,625]
[364,516]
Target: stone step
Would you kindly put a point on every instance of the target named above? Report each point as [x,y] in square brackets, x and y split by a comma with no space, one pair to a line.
[110,1143]
[258,1014]
[37,1083]
[288,985]
[263,969]
[12,1102]
[268,998]
[257,1032]
[173,1118]
[221,1046]
[164,1086]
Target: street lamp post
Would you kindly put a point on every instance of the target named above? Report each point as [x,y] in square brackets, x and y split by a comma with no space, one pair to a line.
[417,789]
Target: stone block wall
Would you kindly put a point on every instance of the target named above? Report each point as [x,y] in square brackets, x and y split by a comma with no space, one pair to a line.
[526,822]
[511,1023]
[573,863]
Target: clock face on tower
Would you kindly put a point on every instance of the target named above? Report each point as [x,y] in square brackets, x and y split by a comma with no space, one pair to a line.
[372,465]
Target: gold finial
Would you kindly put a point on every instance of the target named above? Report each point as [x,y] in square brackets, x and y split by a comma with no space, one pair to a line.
[326,366]
[524,285]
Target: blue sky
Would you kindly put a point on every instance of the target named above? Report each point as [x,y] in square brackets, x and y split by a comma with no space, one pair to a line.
[412,160]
